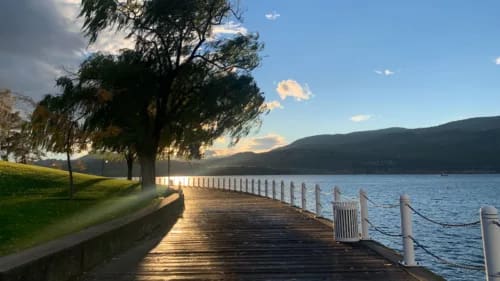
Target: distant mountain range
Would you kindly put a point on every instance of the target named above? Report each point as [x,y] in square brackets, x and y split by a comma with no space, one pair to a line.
[465,146]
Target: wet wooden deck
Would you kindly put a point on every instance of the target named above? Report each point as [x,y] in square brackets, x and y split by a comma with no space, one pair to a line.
[234,236]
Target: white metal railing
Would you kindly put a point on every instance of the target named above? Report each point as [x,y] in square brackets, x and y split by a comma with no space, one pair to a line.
[489,220]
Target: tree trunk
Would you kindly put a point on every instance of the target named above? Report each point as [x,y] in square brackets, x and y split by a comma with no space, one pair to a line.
[70,170]
[129,157]
[148,174]
[68,154]
[168,168]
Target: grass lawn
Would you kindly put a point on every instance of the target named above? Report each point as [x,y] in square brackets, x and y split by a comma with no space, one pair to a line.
[34,204]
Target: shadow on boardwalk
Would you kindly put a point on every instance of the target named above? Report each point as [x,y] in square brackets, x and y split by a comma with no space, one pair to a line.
[232,236]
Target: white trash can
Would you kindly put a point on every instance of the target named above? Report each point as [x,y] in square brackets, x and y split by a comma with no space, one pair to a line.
[345,216]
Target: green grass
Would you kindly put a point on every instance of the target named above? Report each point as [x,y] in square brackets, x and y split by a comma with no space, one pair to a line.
[35,207]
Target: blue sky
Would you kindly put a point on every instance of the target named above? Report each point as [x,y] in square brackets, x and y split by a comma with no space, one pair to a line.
[354,65]
[397,63]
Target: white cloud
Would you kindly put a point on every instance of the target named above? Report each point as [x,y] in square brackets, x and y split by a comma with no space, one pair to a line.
[111,42]
[254,144]
[273,105]
[229,28]
[291,88]
[360,118]
[272,15]
[385,72]
[497,61]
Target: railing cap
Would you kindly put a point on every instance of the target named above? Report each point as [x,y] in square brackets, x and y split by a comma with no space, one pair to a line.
[488,210]
[405,197]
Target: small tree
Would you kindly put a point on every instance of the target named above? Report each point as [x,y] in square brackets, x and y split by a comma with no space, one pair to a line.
[15,128]
[57,125]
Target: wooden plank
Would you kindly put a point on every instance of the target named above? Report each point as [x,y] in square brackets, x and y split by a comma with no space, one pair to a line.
[234,236]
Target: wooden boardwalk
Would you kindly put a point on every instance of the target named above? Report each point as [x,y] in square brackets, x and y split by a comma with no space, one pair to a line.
[234,236]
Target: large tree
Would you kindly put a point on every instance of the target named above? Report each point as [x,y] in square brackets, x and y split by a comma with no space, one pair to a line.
[198,85]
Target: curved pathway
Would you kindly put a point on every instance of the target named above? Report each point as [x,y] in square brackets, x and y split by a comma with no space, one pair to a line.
[234,236]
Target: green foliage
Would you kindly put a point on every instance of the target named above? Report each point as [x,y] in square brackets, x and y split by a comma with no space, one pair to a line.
[181,87]
[35,209]
[15,128]
[56,123]
[56,120]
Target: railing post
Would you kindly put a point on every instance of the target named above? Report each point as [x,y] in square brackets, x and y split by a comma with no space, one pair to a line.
[265,188]
[282,191]
[234,184]
[246,185]
[407,231]
[363,202]
[258,187]
[292,197]
[229,184]
[336,194]
[303,195]
[218,183]
[241,184]
[274,189]
[490,231]
[253,186]
[317,193]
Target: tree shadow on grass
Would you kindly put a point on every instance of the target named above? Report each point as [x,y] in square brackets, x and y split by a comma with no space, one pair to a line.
[84,186]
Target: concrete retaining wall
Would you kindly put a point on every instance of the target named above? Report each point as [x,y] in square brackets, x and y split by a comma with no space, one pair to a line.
[70,256]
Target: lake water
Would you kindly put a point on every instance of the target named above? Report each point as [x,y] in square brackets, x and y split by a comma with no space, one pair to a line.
[450,199]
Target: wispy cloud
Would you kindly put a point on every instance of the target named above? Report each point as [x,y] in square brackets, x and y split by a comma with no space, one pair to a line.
[385,72]
[229,28]
[254,144]
[291,88]
[497,61]
[273,105]
[360,118]
[272,15]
